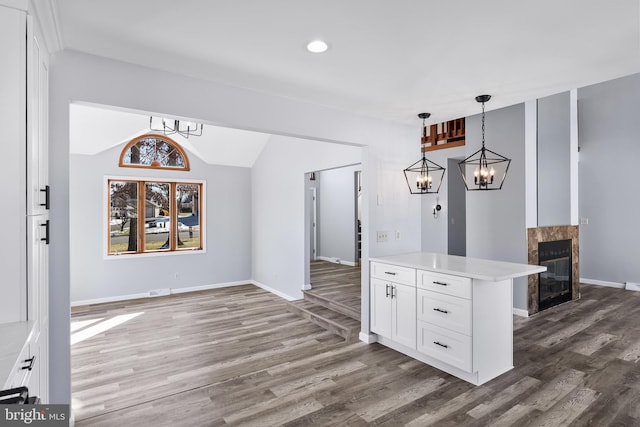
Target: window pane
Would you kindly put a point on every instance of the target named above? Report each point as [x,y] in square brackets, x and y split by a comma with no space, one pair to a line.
[156,216]
[188,203]
[155,152]
[123,224]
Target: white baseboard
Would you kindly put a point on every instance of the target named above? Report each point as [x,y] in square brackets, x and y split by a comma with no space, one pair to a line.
[631,286]
[520,312]
[368,338]
[273,291]
[104,300]
[336,260]
[306,287]
[602,283]
[213,286]
[171,291]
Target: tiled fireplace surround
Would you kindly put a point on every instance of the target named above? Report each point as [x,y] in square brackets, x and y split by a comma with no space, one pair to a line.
[549,234]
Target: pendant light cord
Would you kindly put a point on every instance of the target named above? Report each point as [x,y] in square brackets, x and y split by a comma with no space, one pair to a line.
[483,125]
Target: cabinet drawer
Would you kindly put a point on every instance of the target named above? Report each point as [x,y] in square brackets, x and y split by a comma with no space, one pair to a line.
[445,283]
[19,376]
[393,273]
[445,345]
[446,311]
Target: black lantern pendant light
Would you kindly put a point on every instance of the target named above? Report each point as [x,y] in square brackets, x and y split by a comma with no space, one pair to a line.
[424,176]
[488,168]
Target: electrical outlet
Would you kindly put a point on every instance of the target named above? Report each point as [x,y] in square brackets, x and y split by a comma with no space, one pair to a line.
[382,236]
[584,221]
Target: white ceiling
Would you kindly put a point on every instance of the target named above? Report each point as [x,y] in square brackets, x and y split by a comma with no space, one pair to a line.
[94,129]
[387,59]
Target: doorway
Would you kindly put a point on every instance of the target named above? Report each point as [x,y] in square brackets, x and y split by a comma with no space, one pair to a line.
[457,208]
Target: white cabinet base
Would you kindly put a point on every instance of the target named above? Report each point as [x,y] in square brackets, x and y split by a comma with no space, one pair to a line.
[471,377]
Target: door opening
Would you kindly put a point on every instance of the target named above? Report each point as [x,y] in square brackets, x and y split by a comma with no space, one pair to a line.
[457,208]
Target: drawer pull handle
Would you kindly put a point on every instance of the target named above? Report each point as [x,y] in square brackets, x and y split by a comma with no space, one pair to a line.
[390,272]
[393,292]
[441,345]
[440,283]
[441,310]
[45,239]
[387,291]
[47,192]
[30,362]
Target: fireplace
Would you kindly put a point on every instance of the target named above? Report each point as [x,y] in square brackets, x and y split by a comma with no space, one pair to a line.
[554,285]
[557,248]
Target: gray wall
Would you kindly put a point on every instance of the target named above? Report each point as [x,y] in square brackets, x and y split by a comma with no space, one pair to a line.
[554,187]
[336,218]
[609,131]
[280,237]
[496,219]
[435,231]
[227,224]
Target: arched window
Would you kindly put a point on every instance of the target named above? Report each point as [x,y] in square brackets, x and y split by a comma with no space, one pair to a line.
[155,152]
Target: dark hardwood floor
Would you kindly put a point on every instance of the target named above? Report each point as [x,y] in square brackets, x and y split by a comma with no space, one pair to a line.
[236,356]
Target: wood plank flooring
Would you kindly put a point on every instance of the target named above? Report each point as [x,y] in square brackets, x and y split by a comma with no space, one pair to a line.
[236,356]
[336,286]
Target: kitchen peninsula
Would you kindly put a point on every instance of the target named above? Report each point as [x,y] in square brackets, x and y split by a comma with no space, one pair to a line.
[453,313]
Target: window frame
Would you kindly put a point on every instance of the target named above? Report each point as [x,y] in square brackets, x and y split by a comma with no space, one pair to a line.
[164,138]
[173,216]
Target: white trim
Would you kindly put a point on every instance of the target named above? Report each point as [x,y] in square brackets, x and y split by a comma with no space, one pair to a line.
[574,156]
[212,286]
[273,291]
[306,287]
[109,299]
[631,286]
[531,162]
[602,283]
[520,312]
[147,294]
[368,338]
[47,15]
[335,260]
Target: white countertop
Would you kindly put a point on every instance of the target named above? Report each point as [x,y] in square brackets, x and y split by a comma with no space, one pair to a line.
[474,268]
[13,338]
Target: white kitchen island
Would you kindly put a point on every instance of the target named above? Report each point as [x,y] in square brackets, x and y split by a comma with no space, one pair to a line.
[451,312]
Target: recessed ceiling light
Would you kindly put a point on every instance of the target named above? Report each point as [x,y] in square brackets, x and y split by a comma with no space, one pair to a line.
[317,46]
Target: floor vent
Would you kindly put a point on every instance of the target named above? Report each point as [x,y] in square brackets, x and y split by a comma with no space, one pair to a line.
[159,292]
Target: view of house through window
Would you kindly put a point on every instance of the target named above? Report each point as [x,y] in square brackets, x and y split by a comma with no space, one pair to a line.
[154,215]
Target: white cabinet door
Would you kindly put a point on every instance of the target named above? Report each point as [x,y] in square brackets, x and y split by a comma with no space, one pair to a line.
[37,118]
[13,303]
[381,307]
[404,315]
